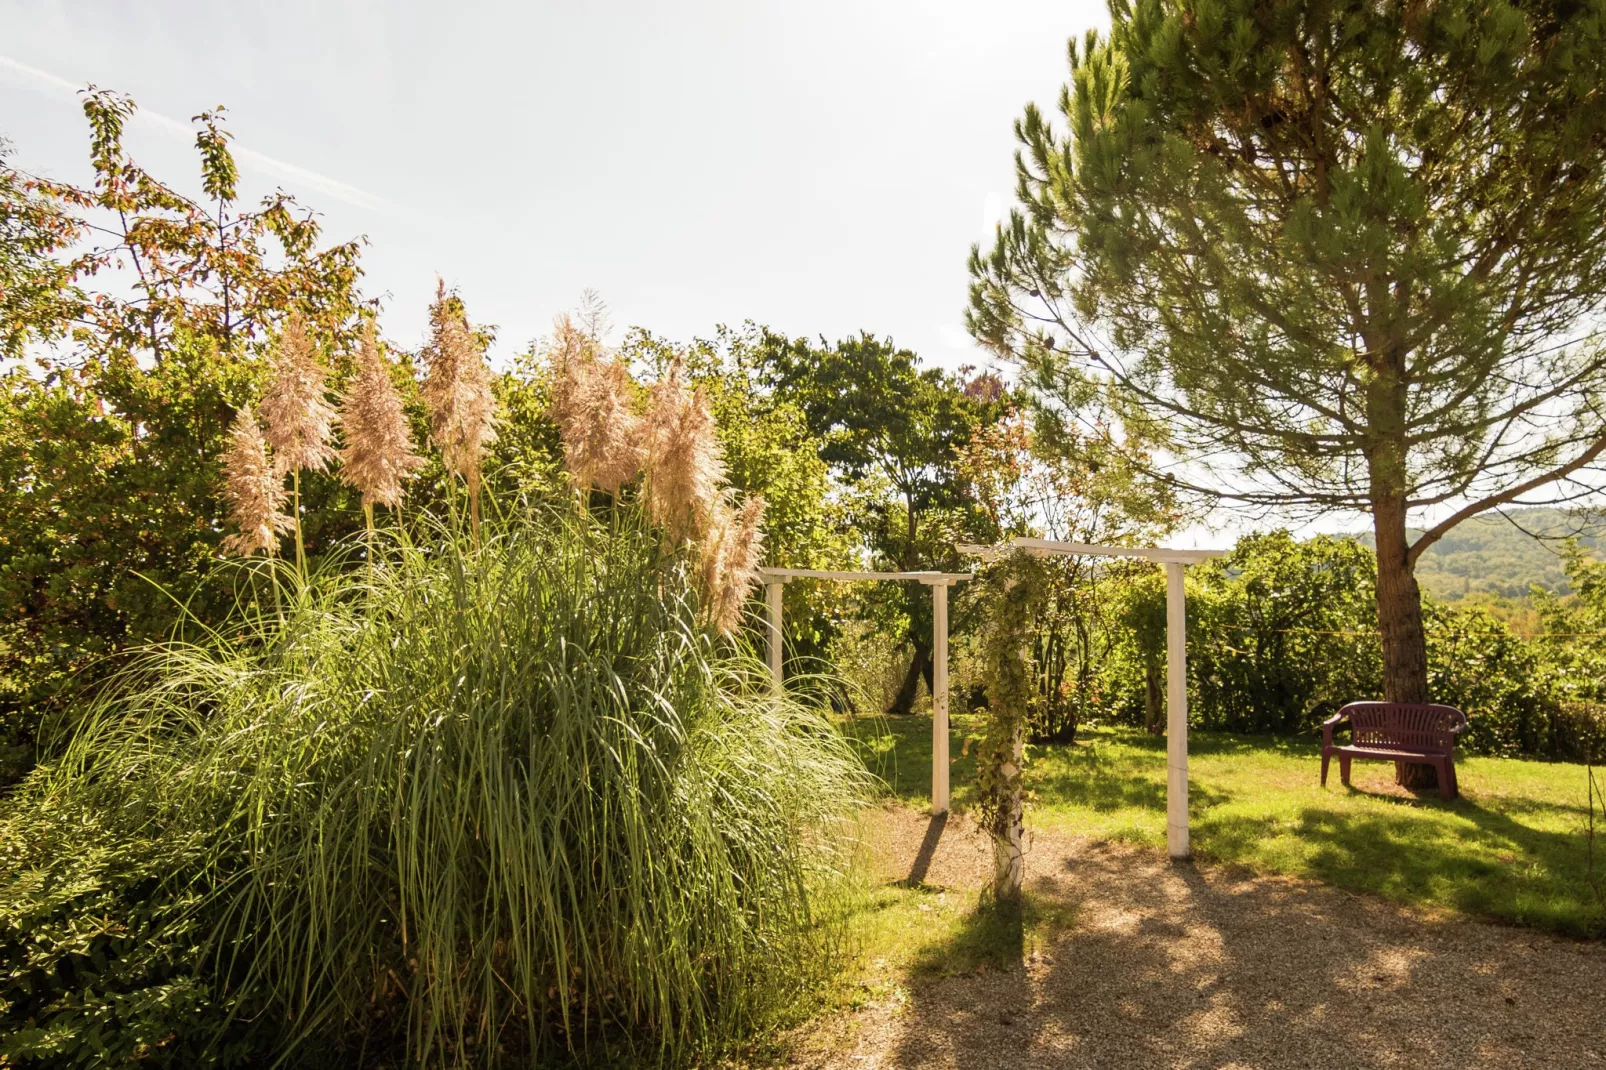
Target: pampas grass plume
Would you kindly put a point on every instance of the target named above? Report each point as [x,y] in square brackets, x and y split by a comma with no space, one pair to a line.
[685,467]
[731,551]
[593,404]
[253,489]
[296,413]
[457,389]
[379,449]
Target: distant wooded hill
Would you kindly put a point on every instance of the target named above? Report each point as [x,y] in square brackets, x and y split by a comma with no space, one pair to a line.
[1491,556]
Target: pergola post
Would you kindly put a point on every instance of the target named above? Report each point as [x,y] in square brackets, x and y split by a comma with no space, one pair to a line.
[1176,728]
[772,598]
[775,578]
[939,697]
[1176,647]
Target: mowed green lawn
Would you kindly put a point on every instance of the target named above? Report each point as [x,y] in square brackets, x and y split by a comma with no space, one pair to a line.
[1512,847]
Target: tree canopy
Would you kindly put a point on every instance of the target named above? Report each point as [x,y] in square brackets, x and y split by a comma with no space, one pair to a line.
[1337,255]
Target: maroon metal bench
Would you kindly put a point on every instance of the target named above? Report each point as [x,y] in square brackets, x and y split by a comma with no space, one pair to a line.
[1398,732]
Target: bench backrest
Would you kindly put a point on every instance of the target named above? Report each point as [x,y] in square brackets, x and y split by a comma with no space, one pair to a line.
[1424,728]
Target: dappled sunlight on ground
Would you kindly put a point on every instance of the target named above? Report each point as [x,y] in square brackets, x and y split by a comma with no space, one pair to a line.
[1121,958]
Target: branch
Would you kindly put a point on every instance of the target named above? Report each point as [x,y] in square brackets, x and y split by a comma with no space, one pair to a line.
[1440,530]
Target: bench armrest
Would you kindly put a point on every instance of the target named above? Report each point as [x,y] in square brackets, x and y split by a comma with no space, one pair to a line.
[1329,725]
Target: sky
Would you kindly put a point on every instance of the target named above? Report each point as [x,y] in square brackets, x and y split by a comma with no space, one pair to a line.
[820,168]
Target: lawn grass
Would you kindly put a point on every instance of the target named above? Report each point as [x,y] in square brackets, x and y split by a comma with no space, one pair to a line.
[1511,848]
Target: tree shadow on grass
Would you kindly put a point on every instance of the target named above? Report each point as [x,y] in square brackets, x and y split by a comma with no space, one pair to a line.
[974,989]
[1500,867]
[990,937]
[1101,781]
[928,848]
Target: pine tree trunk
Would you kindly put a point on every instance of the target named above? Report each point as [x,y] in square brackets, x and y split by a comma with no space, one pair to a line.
[1399,619]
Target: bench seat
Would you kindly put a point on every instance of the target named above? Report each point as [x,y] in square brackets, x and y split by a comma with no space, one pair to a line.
[1398,732]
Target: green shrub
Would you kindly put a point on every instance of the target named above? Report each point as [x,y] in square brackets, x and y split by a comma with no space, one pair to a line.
[1280,634]
[1501,681]
[473,806]
[97,958]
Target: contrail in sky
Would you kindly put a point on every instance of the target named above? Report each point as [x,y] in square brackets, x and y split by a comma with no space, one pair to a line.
[311,180]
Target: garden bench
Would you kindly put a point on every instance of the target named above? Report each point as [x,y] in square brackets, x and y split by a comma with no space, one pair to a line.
[1398,732]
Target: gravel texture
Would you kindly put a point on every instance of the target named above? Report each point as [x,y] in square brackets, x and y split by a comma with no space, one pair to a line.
[1183,965]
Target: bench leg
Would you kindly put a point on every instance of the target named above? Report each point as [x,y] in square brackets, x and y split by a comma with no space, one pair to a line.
[1325,759]
[1446,788]
[1343,768]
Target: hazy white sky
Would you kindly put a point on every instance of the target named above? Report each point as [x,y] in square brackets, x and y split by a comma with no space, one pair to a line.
[822,168]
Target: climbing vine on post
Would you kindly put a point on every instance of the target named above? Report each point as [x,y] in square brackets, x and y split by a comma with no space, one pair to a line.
[1010,592]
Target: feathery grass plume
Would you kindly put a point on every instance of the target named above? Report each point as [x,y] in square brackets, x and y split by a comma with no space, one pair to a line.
[457,389]
[593,404]
[685,467]
[730,561]
[296,413]
[297,416]
[253,489]
[379,447]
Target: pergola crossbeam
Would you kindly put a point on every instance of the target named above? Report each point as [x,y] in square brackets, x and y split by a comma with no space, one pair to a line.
[781,575]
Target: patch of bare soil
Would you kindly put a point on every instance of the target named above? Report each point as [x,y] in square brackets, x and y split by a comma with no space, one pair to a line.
[1183,965]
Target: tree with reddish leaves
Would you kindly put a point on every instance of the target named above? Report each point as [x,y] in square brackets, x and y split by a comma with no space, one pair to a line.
[135,317]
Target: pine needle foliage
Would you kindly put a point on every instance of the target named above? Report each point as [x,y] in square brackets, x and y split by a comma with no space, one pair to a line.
[486,804]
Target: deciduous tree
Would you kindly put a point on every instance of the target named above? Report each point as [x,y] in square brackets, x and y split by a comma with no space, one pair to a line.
[892,431]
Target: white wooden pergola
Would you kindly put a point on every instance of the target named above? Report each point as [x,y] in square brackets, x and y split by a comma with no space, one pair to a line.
[774,582]
[1176,646]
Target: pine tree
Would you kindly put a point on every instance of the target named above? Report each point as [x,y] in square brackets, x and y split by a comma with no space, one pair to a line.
[1345,256]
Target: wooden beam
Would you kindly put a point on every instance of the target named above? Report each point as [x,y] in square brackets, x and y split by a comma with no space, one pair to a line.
[772,597]
[939,582]
[939,698]
[1176,711]
[772,575]
[1054,546]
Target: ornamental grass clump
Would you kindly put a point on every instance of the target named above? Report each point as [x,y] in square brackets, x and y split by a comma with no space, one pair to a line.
[484,803]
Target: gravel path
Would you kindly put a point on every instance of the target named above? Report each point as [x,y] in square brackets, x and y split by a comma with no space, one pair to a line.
[1198,966]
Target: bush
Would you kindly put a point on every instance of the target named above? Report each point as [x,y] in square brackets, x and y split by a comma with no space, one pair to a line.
[1498,679]
[473,806]
[97,958]
[1280,633]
